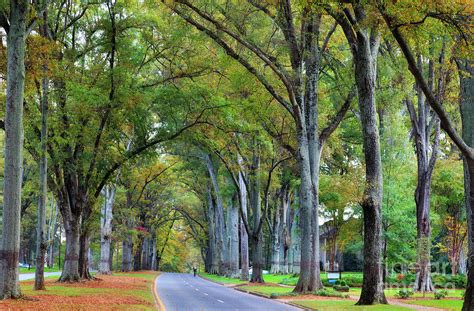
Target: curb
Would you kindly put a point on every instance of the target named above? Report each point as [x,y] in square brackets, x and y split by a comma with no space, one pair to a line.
[158,303]
[269,298]
[237,288]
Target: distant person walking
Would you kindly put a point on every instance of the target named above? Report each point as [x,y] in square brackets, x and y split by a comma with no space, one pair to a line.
[194,271]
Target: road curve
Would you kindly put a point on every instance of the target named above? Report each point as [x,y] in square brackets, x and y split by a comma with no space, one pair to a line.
[180,291]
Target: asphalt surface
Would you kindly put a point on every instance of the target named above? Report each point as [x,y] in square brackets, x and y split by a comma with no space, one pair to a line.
[180,291]
[30,276]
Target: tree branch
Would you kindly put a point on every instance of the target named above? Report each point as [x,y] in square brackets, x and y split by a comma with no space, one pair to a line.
[337,119]
[445,120]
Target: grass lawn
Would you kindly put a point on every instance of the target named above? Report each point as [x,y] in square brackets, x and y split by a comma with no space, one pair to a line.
[452,293]
[444,304]
[121,291]
[221,279]
[267,290]
[336,305]
[33,269]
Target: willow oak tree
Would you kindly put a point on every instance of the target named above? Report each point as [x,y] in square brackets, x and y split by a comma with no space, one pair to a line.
[16,44]
[364,41]
[94,120]
[457,16]
[43,92]
[294,87]
[422,127]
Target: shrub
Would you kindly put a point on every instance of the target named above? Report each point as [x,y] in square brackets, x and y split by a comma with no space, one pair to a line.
[341,288]
[341,282]
[440,294]
[404,294]
[446,280]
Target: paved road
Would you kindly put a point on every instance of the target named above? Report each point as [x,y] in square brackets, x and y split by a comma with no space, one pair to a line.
[179,291]
[31,276]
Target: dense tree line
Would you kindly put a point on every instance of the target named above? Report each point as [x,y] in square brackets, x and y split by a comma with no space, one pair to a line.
[274,135]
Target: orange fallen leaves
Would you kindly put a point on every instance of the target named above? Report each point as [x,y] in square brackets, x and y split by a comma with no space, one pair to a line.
[113,293]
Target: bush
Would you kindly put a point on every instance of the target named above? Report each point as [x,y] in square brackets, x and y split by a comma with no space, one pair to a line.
[341,282]
[447,280]
[341,288]
[326,293]
[440,294]
[404,294]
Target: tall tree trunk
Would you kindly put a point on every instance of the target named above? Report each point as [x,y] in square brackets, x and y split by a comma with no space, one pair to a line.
[219,216]
[137,260]
[84,251]
[41,243]
[466,98]
[9,251]
[127,248]
[305,219]
[244,239]
[154,252]
[425,166]
[70,271]
[284,232]
[309,153]
[52,234]
[213,251]
[257,235]
[365,59]
[276,239]
[233,234]
[106,230]
[127,243]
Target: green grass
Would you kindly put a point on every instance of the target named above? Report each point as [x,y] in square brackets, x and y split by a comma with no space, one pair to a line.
[221,279]
[336,305]
[444,304]
[276,278]
[267,290]
[452,293]
[33,269]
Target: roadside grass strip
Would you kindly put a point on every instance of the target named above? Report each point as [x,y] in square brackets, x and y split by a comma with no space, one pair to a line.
[446,304]
[337,305]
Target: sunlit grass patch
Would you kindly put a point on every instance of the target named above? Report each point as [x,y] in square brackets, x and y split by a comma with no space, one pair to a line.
[443,304]
[336,305]
[221,279]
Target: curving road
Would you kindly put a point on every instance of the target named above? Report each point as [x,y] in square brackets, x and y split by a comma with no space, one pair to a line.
[180,291]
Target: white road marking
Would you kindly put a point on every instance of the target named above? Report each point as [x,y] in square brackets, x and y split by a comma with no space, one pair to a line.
[206,294]
[196,289]
[220,301]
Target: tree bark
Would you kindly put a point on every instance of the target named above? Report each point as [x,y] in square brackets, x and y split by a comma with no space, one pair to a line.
[425,167]
[106,230]
[244,239]
[276,239]
[137,260]
[466,98]
[9,251]
[127,247]
[365,59]
[233,238]
[257,235]
[41,243]
[70,271]
[52,233]
[84,250]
